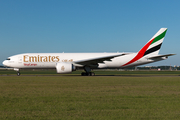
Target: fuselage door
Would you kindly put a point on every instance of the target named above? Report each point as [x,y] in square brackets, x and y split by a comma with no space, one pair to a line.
[20,59]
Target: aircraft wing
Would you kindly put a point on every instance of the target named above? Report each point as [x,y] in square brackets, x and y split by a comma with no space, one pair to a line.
[160,56]
[95,61]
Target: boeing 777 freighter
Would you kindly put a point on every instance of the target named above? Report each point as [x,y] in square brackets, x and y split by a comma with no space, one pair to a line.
[68,62]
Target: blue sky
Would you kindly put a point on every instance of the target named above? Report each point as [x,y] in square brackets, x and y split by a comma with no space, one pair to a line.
[28,26]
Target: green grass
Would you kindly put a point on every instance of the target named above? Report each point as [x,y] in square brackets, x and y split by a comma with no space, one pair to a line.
[78,72]
[91,98]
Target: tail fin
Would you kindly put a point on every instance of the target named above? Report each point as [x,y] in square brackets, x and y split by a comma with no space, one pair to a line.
[153,46]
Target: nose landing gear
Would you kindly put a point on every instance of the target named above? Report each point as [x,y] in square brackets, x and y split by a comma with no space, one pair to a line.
[18,73]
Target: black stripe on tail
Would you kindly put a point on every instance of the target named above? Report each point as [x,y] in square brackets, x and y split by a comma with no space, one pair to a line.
[153,49]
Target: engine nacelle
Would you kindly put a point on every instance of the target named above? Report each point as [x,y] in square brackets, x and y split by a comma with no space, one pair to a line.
[63,67]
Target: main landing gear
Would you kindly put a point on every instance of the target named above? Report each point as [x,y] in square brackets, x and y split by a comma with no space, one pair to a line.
[88,72]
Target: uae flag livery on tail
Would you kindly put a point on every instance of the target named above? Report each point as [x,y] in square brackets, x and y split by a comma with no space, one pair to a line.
[151,48]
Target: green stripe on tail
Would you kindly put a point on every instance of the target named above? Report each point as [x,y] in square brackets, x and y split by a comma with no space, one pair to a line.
[159,37]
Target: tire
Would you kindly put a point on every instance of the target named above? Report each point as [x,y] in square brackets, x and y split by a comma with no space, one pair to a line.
[88,74]
[83,74]
[92,74]
[18,74]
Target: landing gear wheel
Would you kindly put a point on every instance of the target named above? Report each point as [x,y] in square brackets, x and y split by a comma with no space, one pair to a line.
[83,74]
[18,73]
[87,74]
[92,74]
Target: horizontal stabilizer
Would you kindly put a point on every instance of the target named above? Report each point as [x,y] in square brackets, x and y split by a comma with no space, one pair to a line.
[160,56]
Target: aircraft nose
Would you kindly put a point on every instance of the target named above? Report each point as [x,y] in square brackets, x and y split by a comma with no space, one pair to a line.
[5,63]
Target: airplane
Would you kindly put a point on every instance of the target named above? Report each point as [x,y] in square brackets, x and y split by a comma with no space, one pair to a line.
[69,62]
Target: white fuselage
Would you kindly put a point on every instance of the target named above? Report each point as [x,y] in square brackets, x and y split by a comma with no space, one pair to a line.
[49,60]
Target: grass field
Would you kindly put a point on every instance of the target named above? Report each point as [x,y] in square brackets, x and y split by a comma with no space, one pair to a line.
[103,73]
[93,98]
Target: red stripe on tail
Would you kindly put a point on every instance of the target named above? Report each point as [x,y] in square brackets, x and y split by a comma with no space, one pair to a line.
[140,53]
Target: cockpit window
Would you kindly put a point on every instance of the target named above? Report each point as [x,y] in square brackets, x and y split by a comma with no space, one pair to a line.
[8,59]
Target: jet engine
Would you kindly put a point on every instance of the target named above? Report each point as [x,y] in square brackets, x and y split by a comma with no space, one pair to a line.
[63,67]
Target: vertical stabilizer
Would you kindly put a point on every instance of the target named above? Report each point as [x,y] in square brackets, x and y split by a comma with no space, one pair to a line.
[154,44]
[151,48]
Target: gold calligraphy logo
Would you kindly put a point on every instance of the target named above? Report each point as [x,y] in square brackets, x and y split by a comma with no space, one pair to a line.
[39,58]
[62,68]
